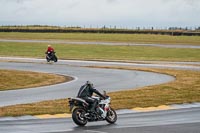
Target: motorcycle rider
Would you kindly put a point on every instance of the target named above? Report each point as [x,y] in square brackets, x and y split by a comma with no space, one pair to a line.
[50,50]
[86,91]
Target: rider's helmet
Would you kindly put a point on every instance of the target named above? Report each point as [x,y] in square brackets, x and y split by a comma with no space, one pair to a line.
[49,45]
[89,83]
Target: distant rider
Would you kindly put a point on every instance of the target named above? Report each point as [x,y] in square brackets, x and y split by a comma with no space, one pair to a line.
[86,91]
[50,50]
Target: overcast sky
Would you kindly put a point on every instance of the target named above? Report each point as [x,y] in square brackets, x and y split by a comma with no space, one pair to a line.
[120,13]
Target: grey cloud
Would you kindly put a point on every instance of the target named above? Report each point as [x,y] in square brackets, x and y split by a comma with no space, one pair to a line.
[101,12]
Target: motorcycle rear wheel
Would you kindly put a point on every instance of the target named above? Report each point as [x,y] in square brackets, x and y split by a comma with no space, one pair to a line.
[78,116]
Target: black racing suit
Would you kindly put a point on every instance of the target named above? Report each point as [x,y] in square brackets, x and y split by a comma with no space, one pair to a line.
[86,91]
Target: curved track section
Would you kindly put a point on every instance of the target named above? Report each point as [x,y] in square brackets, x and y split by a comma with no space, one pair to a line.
[103,79]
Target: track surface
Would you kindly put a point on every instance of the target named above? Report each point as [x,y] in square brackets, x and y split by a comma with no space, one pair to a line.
[100,43]
[103,79]
[171,121]
[178,121]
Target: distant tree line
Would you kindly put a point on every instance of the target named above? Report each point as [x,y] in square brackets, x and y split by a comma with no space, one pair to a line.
[174,31]
[181,28]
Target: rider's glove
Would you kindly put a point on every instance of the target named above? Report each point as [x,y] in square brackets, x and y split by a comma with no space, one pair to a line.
[103,97]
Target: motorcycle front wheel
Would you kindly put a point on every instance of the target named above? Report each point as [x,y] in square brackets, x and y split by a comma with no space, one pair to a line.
[78,116]
[111,116]
[48,60]
[55,58]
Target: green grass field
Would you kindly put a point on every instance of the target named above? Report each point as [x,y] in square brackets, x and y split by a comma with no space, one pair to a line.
[100,52]
[133,38]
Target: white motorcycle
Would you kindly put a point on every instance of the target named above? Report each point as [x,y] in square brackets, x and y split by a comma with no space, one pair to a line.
[81,113]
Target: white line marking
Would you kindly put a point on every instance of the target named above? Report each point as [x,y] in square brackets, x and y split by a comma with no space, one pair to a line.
[95,131]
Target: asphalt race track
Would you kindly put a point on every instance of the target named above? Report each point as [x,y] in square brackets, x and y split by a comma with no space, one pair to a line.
[103,79]
[171,121]
[185,120]
[99,43]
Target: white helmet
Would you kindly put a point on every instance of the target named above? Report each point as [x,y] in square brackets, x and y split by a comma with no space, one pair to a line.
[89,83]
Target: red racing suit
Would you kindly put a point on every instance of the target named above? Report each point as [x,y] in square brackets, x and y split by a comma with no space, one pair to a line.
[50,49]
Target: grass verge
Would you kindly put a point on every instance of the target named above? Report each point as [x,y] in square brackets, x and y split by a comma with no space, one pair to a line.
[100,52]
[185,89]
[13,79]
[133,38]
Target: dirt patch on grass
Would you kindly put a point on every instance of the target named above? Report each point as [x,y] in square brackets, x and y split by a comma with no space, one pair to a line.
[12,79]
